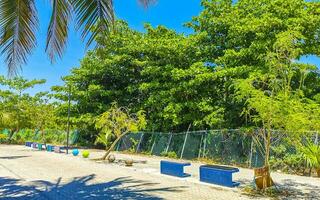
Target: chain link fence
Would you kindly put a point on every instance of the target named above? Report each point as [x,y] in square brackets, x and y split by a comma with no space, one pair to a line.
[232,147]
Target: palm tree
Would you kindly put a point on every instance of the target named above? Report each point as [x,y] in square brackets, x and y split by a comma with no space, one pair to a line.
[19,23]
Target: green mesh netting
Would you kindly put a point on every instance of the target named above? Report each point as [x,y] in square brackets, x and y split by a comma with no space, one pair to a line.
[176,143]
[228,147]
[193,145]
[129,142]
[160,143]
[233,147]
[146,142]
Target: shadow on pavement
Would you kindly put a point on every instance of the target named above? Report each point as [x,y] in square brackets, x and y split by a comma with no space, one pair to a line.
[287,189]
[13,157]
[79,188]
[298,190]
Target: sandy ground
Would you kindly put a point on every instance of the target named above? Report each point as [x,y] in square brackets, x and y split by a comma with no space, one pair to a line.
[30,174]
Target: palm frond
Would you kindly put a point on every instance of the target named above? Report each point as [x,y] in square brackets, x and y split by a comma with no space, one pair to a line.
[147,3]
[58,28]
[18,25]
[93,17]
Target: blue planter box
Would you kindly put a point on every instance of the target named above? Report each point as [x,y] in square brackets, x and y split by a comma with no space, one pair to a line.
[173,168]
[219,175]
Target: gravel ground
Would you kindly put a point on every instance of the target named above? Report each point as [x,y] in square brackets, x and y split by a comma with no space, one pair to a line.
[30,174]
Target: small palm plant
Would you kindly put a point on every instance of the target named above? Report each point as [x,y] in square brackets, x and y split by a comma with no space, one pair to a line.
[116,123]
[311,154]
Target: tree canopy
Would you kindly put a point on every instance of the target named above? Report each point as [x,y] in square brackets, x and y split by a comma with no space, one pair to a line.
[239,55]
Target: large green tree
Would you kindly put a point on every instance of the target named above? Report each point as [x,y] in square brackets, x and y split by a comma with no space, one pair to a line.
[264,40]
[19,24]
[159,71]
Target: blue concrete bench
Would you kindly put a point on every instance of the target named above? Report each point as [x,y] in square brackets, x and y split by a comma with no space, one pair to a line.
[220,175]
[173,168]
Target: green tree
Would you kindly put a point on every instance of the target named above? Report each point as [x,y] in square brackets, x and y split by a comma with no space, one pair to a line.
[159,71]
[21,110]
[19,24]
[116,123]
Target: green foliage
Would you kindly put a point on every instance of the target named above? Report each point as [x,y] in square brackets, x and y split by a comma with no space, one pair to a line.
[170,154]
[159,71]
[134,145]
[3,138]
[286,158]
[262,43]
[240,68]
[116,122]
[20,110]
[311,154]
[46,136]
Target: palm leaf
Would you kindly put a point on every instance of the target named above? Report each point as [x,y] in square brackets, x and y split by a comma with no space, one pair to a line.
[93,17]
[311,154]
[58,28]
[18,24]
[96,16]
[146,3]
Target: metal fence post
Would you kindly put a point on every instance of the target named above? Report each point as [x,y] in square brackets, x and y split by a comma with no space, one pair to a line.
[154,143]
[184,144]
[251,149]
[138,147]
[201,140]
[169,142]
[118,145]
[205,144]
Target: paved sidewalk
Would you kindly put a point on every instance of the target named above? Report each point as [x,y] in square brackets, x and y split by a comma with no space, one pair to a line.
[31,174]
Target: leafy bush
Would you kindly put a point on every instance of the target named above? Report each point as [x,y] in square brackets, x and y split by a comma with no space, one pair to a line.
[3,138]
[286,157]
[311,154]
[47,136]
[134,145]
[170,154]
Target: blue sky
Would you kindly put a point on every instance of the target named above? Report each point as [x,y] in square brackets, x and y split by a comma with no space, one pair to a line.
[171,13]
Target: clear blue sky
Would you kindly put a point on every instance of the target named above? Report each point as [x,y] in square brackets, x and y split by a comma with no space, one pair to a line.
[171,13]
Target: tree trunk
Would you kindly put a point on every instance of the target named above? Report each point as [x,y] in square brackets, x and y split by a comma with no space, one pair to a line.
[318,172]
[262,175]
[263,179]
[112,146]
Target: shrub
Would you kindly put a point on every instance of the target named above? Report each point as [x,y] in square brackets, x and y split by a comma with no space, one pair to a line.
[3,138]
[170,154]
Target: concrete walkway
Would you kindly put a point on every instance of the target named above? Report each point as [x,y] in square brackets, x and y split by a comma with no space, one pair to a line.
[31,174]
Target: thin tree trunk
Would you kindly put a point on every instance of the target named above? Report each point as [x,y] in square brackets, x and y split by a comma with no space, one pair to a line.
[267,181]
[112,146]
